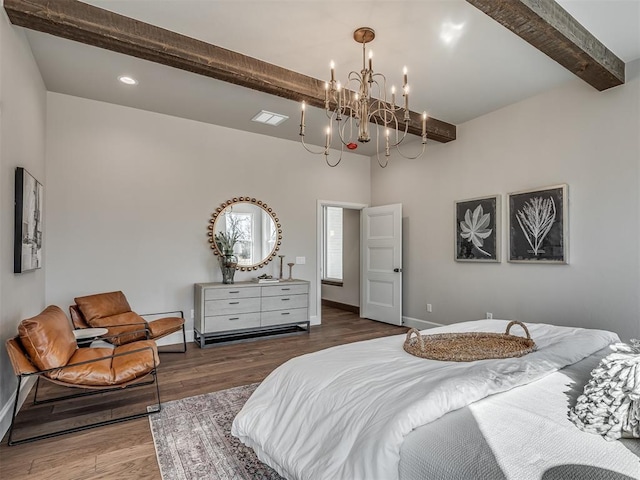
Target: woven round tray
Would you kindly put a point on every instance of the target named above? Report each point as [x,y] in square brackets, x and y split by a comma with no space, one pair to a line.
[467,347]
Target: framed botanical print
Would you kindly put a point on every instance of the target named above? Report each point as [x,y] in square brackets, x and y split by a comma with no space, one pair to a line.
[477,229]
[538,225]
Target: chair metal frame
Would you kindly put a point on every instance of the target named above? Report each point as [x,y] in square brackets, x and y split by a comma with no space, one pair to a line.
[184,334]
[94,390]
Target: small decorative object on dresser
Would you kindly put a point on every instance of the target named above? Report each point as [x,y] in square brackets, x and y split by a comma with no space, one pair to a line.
[291,264]
[281,257]
[228,264]
[248,310]
[264,278]
[226,241]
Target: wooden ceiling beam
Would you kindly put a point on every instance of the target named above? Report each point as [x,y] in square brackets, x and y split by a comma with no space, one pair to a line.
[550,28]
[95,26]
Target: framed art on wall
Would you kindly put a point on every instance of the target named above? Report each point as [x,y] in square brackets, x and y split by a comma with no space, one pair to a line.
[478,229]
[27,253]
[538,225]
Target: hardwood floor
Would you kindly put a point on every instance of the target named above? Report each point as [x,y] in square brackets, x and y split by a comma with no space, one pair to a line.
[125,450]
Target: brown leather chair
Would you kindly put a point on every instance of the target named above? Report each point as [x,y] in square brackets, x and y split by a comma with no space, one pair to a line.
[45,347]
[112,311]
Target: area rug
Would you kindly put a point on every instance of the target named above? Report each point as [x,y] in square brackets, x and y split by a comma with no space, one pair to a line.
[193,439]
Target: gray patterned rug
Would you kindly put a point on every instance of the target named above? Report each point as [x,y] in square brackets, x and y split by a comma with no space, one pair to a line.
[193,439]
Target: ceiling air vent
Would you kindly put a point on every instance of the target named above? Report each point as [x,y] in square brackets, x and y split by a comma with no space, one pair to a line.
[269,118]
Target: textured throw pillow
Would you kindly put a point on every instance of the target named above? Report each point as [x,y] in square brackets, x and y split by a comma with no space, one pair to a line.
[48,338]
[610,404]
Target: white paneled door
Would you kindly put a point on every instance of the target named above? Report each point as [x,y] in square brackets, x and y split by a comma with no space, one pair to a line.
[381,265]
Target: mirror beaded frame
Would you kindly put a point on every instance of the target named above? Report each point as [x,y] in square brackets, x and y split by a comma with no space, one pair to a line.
[253,201]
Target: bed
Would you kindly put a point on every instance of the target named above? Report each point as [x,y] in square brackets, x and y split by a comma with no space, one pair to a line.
[371,411]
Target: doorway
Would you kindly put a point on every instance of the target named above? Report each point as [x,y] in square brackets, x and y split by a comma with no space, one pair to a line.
[338,256]
[378,237]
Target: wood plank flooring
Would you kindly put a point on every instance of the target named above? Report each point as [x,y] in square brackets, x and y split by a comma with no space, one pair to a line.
[125,451]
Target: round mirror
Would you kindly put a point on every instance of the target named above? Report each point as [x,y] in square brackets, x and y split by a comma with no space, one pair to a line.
[246,228]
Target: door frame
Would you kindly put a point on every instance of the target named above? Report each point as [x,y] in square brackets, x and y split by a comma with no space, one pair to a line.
[319,232]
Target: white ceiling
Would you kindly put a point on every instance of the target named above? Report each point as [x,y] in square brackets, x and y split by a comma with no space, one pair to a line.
[462,64]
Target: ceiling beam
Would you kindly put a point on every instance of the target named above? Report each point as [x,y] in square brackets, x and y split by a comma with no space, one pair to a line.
[550,28]
[95,26]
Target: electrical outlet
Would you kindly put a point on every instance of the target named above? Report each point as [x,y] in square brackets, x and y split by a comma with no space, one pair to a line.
[429,308]
[191,314]
[301,260]
[489,315]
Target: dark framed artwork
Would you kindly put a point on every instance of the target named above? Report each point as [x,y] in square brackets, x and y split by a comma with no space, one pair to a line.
[478,229]
[27,253]
[538,225]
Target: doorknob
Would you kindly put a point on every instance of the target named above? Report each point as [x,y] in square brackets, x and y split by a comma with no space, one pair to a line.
[397,270]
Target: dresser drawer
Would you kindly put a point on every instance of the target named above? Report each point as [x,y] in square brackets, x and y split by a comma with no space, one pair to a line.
[231,292]
[221,323]
[278,317]
[284,289]
[231,305]
[284,302]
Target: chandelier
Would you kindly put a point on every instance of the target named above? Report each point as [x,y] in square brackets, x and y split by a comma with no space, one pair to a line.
[359,105]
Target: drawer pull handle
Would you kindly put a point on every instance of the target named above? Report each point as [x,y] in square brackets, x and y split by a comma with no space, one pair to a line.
[234,291]
[285,313]
[234,318]
[234,303]
[286,299]
[285,289]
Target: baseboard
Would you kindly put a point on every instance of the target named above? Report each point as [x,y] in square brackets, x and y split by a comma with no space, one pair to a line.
[341,306]
[315,320]
[7,409]
[419,324]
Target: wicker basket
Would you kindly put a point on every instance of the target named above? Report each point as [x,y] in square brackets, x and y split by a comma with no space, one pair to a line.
[467,347]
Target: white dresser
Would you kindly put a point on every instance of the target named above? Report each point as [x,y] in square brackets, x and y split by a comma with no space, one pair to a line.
[244,310]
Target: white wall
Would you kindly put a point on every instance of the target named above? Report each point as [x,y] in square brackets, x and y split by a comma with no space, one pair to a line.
[574,135]
[22,144]
[349,292]
[130,194]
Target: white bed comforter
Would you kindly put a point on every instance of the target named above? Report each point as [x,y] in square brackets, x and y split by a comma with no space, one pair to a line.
[342,413]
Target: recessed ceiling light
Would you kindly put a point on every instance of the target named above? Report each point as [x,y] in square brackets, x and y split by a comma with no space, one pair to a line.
[269,118]
[127,80]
